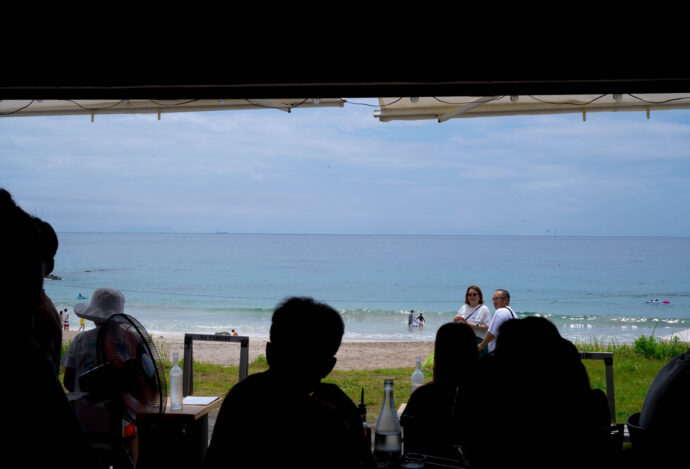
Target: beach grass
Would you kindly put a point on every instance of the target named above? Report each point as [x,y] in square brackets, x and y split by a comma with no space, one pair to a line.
[215,380]
[634,368]
[632,377]
[633,374]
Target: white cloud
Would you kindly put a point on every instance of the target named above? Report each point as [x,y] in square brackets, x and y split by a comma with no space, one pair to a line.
[274,171]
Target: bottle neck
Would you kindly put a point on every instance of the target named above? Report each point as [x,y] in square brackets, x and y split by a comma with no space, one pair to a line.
[388,418]
[388,401]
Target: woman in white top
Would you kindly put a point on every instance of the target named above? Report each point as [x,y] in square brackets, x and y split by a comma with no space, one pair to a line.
[474,312]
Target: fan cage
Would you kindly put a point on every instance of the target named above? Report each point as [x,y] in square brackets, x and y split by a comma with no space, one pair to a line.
[126,346]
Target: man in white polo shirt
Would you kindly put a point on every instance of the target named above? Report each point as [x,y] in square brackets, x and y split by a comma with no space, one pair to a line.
[503,313]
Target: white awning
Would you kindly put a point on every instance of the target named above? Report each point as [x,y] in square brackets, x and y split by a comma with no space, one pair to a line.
[18,108]
[404,108]
[444,108]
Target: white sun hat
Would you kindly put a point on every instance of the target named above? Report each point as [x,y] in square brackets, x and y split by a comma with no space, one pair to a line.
[104,303]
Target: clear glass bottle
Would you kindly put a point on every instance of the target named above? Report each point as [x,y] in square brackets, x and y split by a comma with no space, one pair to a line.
[388,438]
[176,384]
[417,377]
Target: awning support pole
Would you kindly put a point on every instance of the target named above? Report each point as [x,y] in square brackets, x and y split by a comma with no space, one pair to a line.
[467,107]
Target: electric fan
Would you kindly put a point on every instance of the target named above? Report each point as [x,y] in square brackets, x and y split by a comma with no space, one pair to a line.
[128,381]
[136,375]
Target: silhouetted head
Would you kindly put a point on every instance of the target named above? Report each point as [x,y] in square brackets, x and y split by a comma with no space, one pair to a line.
[305,336]
[524,337]
[48,244]
[455,354]
[533,348]
[21,274]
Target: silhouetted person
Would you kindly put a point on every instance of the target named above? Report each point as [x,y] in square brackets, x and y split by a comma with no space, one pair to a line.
[43,431]
[47,323]
[285,416]
[540,407]
[437,411]
[665,415]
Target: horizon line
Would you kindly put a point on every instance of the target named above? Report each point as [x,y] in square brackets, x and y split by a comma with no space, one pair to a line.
[547,235]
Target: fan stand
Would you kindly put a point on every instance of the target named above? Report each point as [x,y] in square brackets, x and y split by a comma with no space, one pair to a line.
[119,456]
[109,447]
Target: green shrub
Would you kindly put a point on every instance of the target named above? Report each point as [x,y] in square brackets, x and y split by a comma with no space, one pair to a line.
[649,347]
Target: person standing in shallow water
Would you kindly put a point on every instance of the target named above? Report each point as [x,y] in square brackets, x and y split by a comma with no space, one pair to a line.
[411,320]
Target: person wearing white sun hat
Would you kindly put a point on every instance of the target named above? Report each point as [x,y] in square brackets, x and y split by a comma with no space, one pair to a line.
[82,353]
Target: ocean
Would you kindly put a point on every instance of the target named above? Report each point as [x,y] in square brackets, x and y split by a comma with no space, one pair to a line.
[592,288]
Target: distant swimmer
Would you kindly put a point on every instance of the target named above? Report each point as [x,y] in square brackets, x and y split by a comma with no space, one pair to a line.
[420,320]
[81,297]
[411,320]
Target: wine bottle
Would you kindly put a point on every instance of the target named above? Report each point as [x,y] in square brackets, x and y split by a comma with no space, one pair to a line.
[388,437]
[417,379]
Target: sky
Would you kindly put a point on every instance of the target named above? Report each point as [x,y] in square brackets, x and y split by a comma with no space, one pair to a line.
[340,170]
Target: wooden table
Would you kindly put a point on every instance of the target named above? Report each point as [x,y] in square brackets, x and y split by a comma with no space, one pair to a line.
[177,438]
[188,413]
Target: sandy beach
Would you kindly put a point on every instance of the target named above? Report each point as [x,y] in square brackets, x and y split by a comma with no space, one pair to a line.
[352,355]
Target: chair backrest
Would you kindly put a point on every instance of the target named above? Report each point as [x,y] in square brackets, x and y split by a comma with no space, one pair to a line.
[188,371]
[607,357]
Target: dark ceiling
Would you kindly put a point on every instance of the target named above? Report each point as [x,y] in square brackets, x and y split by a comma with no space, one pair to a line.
[332,84]
[122,56]
[327,63]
